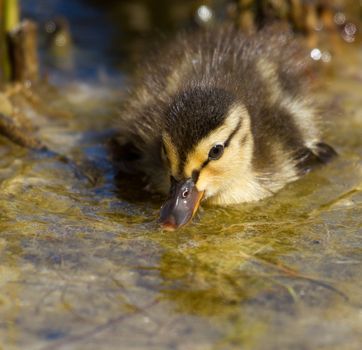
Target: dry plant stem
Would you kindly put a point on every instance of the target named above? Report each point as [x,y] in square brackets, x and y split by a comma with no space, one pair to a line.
[34,98]
[10,14]
[18,134]
[23,52]
[4,55]
[304,17]
[77,338]
[286,272]
[22,136]
[329,205]
[290,273]
[247,15]
[9,19]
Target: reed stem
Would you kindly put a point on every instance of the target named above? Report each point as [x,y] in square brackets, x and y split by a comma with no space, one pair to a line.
[9,19]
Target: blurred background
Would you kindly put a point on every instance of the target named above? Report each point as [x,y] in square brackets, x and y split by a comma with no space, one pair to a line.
[91,38]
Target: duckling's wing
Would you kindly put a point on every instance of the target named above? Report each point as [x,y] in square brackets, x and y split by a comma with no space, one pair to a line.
[308,159]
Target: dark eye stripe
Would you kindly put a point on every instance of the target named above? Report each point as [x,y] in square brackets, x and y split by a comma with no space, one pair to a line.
[196,173]
[233,133]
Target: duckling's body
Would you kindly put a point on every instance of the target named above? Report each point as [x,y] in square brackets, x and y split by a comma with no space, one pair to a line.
[222,92]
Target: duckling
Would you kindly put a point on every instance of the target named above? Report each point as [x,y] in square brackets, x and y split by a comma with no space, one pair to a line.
[221,117]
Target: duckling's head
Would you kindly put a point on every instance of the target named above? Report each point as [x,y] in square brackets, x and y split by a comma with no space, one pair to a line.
[208,145]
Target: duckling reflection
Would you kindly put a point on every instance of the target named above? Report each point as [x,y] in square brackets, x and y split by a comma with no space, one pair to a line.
[222,117]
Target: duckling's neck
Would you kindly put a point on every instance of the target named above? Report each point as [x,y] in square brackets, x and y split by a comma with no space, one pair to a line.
[245,188]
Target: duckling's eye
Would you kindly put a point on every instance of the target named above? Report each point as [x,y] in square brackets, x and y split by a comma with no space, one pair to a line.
[216,152]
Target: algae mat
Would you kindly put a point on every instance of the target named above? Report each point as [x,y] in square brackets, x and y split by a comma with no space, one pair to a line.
[83,268]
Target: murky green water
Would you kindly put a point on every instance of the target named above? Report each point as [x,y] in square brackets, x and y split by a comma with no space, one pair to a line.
[83,268]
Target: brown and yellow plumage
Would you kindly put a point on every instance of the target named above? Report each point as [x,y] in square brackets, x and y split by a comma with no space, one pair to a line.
[225,116]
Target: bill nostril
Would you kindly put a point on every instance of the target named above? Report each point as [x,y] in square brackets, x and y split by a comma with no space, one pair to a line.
[179,208]
[185,193]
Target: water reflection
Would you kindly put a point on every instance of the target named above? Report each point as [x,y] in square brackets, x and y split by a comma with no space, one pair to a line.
[82,267]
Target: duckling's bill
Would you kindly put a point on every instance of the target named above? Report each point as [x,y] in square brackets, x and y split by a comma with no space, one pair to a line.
[181,206]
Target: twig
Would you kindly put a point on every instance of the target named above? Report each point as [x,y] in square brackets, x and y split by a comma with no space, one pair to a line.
[96,330]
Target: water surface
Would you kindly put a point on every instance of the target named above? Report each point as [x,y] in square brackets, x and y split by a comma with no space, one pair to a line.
[83,268]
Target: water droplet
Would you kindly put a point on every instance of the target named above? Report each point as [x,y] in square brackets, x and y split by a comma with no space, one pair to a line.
[61,40]
[319,26]
[204,13]
[340,18]
[326,57]
[350,29]
[27,84]
[316,54]
[50,27]
[348,38]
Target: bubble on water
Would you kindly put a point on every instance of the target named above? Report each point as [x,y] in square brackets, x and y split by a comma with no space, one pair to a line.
[319,26]
[50,27]
[316,54]
[204,13]
[349,32]
[348,38]
[61,40]
[326,57]
[28,84]
[340,18]
[350,29]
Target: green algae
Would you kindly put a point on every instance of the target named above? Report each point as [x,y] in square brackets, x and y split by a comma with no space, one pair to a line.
[83,268]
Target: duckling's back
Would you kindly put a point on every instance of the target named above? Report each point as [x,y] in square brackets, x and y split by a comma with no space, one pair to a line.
[267,72]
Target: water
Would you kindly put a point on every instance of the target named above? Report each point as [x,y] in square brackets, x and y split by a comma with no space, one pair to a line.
[83,268]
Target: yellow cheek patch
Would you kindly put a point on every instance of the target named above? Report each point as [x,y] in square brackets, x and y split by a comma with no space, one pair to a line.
[213,169]
[172,154]
[200,153]
[211,179]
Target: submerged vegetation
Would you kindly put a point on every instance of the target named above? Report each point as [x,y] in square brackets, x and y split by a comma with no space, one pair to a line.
[82,267]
